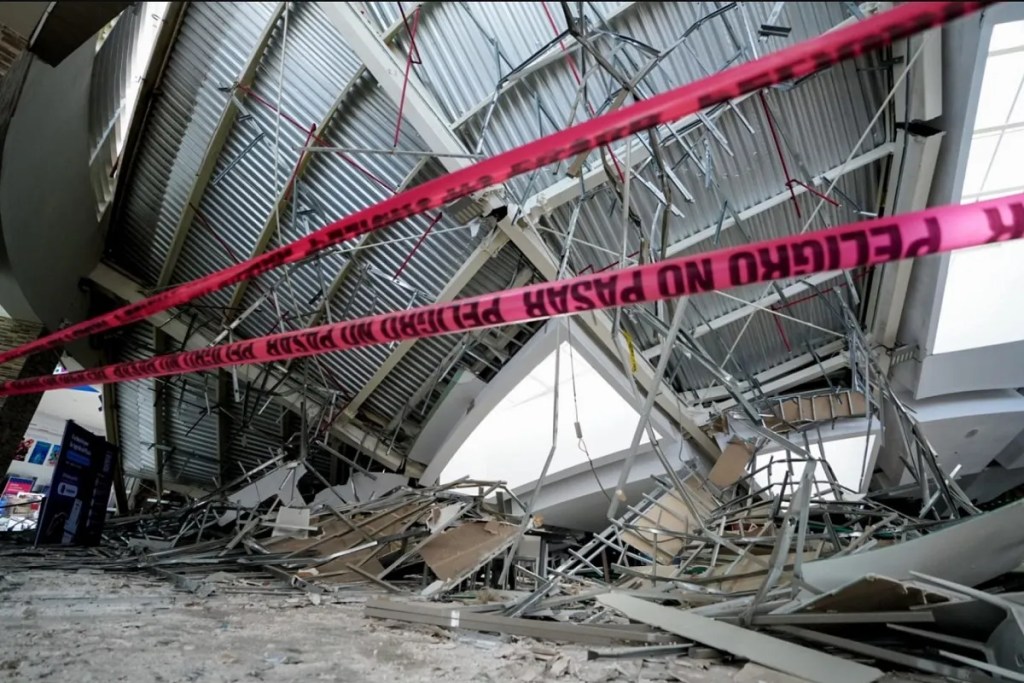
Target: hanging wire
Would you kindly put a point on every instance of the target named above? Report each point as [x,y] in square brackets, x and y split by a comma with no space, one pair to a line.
[581,442]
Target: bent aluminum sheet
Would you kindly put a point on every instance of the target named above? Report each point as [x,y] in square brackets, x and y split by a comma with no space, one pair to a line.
[970,552]
[783,656]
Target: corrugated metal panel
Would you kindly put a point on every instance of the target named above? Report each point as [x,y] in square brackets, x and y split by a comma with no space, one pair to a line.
[424,359]
[190,429]
[135,408]
[212,47]
[822,117]
[239,200]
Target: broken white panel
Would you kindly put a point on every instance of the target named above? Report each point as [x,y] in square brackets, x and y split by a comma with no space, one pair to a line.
[282,482]
[334,496]
[366,487]
[970,552]
[440,518]
[292,522]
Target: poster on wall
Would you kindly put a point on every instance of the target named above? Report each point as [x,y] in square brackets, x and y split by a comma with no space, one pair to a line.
[12,503]
[39,453]
[24,448]
[76,507]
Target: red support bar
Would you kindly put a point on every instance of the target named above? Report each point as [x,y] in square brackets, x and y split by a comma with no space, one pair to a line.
[408,71]
[812,191]
[778,148]
[416,246]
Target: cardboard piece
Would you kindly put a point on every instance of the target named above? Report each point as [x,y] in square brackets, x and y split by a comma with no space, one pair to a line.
[732,464]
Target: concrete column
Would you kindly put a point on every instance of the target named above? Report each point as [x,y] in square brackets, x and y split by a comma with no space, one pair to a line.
[16,411]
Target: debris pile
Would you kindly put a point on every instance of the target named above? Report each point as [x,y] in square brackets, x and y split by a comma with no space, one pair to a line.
[820,587]
[264,533]
[802,578]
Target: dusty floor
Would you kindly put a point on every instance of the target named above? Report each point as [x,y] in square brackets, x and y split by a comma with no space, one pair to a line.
[89,626]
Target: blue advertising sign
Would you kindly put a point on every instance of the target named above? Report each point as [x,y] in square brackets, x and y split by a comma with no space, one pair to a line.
[76,507]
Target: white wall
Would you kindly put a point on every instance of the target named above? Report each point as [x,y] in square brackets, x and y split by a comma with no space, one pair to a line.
[47,425]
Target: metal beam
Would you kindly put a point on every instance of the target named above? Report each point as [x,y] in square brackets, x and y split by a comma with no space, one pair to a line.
[483,253]
[799,363]
[213,149]
[568,189]
[742,312]
[117,284]
[877,154]
[793,379]
[555,56]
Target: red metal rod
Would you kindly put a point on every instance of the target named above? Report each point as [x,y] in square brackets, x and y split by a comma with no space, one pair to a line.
[416,246]
[576,74]
[405,20]
[778,148]
[812,191]
[298,162]
[408,71]
[782,333]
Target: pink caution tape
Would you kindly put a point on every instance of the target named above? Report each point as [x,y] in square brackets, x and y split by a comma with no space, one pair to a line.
[794,62]
[850,246]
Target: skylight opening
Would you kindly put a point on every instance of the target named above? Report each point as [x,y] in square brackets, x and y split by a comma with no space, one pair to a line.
[974,311]
[513,440]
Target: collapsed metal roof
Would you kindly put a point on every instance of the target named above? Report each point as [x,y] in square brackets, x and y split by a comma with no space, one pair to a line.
[247,88]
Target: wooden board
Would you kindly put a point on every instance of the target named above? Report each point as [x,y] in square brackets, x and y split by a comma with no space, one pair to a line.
[731,465]
[462,549]
[670,514]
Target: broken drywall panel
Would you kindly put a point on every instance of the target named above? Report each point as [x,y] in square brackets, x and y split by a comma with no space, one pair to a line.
[366,487]
[292,523]
[335,496]
[774,653]
[282,482]
[456,553]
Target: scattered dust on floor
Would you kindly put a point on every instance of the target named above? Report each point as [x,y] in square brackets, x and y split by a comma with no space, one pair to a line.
[90,626]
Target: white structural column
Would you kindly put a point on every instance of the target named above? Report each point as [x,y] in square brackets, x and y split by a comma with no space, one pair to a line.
[130,291]
[910,180]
